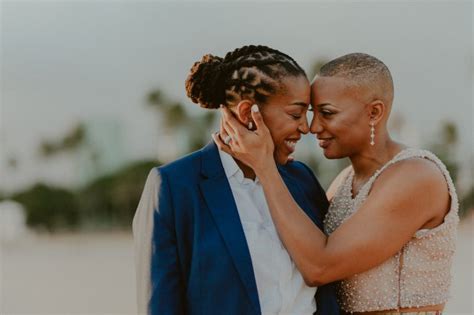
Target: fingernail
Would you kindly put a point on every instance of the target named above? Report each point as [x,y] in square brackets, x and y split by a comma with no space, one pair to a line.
[255,108]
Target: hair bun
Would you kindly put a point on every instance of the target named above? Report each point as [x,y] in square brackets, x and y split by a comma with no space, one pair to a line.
[203,85]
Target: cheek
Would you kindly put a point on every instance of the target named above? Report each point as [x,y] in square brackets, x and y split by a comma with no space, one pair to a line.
[349,131]
[270,118]
[280,128]
[278,136]
[343,126]
[345,121]
[273,131]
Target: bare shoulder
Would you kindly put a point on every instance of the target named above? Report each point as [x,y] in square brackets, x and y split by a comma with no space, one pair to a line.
[418,173]
[337,182]
[415,184]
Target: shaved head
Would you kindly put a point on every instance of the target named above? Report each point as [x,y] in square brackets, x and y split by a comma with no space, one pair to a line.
[363,71]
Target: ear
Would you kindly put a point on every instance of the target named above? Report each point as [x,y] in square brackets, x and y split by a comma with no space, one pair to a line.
[376,111]
[243,111]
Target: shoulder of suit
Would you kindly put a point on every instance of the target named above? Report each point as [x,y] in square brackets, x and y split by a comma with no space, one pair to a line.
[185,164]
[298,168]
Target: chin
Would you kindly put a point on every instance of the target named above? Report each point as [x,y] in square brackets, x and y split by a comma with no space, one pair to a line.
[331,155]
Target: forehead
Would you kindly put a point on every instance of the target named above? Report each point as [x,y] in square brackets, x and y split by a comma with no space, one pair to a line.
[295,89]
[330,85]
[331,88]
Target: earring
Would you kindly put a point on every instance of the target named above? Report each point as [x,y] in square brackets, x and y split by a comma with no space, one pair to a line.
[372,133]
[250,125]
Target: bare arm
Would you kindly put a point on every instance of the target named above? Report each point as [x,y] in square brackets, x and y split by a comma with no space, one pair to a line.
[396,209]
[400,203]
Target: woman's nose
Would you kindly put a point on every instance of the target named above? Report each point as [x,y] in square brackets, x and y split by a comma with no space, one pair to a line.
[316,125]
[303,127]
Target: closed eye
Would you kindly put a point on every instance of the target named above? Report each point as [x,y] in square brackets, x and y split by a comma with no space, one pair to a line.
[326,113]
[296,117]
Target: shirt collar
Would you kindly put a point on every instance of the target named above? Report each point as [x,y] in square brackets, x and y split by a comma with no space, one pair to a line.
[231,169]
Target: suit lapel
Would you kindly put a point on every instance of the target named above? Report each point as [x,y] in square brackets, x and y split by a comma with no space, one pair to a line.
[218,195]
[296,191]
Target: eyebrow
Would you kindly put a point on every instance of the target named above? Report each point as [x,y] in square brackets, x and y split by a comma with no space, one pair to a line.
[323,104]
[300,104]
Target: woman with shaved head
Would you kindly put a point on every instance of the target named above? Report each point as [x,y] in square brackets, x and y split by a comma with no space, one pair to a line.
[390,229]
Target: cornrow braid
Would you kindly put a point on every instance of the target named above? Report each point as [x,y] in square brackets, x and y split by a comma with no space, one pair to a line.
[250,72]
[252,49]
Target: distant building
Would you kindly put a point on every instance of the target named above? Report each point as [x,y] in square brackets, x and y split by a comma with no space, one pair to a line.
[12,221]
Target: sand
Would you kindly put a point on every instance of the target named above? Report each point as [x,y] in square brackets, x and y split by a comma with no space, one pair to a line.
[94,274]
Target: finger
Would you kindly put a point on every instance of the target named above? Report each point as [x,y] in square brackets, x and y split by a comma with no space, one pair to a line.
[226,136]
[228,129]
[222,132]
[232,121]
[257,117]
[226,116]
[221,144]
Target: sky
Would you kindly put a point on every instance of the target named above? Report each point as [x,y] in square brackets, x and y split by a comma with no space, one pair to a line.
[95,61]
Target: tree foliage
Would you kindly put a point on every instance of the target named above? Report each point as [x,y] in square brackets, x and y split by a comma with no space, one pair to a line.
[71,141]
[177,120]
[111,200]
[49,208]
[107,202]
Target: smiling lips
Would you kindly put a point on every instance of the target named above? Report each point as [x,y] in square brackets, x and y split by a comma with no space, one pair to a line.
[324,142]
[291,144]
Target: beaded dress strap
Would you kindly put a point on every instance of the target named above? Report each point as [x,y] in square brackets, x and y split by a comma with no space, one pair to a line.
[411,153]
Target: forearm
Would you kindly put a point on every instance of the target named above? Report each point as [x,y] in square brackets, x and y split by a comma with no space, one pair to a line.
[305,242]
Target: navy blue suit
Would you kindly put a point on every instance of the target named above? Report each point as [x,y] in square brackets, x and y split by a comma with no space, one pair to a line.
[199,259]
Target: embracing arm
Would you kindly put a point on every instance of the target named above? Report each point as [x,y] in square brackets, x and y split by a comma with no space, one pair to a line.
[396,209]
[159,285]
[405,197]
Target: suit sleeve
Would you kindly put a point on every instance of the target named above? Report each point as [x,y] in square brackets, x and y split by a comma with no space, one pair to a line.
[159,284]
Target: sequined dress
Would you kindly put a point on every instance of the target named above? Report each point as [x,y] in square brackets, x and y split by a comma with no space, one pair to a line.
[419,274]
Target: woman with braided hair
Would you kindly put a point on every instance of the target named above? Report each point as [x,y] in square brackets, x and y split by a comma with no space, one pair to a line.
[391,226]
[205,241]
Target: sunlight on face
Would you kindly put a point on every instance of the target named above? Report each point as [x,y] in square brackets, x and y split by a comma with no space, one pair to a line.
[285,116]
[340,121]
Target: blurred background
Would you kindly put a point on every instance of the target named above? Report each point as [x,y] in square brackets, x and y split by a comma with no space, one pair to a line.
[92,97]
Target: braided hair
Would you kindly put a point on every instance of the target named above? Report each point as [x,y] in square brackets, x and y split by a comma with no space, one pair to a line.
[250,72]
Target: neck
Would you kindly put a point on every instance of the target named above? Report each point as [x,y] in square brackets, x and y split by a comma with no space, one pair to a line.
[371,158]
[248,172]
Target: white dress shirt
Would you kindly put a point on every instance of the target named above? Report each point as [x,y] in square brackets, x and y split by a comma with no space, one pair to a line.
[280,285]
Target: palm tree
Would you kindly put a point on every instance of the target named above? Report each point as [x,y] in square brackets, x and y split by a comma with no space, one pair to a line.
[70,142]
[193,130]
